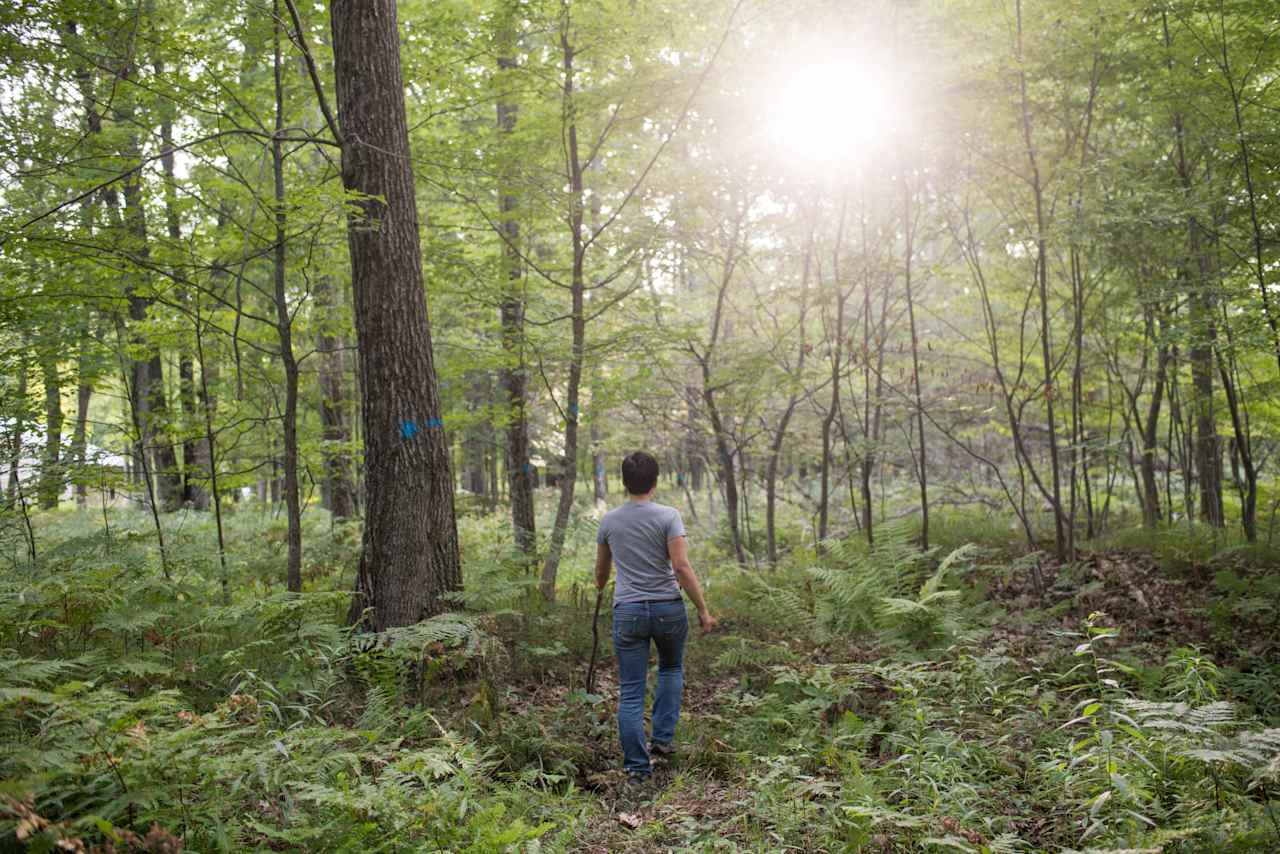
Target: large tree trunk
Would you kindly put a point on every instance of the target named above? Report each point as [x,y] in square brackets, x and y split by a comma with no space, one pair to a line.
[410,549]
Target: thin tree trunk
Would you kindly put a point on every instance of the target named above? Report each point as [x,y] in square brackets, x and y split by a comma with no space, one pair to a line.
[513,374]
[780,432]
[1200,303]
[149,404]
[340,489]
[19,426]
[284,327]
[569,462]
[131,401]
[50,484]
[835,341]
[211,449]
[872,402]
[79,436]
[728,475]
[1259,265]
[597,465]
[922,468]
[190,486]
[1078,461]
[1149,435]
[719,432]
[1042,285]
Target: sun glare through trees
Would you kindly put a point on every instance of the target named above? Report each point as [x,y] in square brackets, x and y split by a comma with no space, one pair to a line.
[832,112]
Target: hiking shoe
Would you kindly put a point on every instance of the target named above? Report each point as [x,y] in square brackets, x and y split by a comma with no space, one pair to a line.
[638,780]
[662,748]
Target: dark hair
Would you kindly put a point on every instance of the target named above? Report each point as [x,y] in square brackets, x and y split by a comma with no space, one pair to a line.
[639,473]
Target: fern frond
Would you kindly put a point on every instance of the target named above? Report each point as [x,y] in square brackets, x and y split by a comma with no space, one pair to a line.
[750,653]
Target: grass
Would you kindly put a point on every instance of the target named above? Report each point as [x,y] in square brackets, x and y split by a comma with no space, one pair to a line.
[864,700]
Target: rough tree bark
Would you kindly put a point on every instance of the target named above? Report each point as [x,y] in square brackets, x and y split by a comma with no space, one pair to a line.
[410,549]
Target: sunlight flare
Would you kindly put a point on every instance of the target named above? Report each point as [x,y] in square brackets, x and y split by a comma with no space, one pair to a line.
[824,111]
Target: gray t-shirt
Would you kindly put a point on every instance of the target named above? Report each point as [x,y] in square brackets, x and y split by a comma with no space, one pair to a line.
[637,534]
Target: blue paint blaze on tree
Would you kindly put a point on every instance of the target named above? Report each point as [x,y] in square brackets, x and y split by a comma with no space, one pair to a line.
[409,428]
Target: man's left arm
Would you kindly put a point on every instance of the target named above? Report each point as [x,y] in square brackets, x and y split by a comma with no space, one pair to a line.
[604,564]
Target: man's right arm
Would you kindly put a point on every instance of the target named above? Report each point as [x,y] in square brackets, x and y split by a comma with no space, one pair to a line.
[678,552]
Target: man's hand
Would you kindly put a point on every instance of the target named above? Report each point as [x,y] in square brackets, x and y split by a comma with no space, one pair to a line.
[707,622]
[604,565]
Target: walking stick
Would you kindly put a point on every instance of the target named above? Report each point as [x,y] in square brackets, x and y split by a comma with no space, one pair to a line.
[595,643]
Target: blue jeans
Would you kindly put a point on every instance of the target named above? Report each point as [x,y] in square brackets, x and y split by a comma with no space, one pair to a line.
[634,625]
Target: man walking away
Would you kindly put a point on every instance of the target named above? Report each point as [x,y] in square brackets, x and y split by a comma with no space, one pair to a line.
[646,540]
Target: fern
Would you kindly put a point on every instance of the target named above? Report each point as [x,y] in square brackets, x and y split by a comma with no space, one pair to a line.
[748,653]
[1180,717]
[1256,752]
[888,588]
[493,586]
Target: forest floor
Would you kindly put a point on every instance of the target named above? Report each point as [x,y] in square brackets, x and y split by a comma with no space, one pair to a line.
[979,699]
[764,762]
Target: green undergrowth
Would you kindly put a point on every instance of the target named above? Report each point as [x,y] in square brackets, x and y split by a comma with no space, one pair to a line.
[856,699]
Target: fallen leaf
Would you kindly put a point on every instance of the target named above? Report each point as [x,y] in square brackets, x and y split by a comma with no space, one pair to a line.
[630,820]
